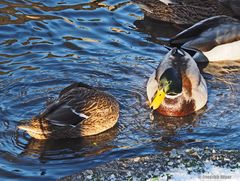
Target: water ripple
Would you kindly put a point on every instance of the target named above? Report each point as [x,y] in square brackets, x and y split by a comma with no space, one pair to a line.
[45,46]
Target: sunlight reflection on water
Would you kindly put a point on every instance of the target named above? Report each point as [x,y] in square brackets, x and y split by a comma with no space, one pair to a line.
[47,46]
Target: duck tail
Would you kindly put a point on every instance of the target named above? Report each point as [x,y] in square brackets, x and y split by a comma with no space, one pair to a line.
[36,128]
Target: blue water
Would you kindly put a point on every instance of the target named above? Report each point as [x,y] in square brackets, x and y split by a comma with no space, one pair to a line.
[47,45]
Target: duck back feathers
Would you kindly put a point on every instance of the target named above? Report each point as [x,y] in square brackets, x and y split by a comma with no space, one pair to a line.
[79,111]
[208,33]
[184,11]
[214,37]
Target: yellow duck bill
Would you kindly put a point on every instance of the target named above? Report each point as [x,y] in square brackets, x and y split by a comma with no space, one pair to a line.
[158,99]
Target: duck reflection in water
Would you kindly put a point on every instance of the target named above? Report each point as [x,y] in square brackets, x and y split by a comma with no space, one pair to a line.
[171,129]
[77,147]
[171,125]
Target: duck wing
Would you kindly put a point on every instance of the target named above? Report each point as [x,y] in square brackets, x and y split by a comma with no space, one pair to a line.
[71,108]
[167,2]
[208,33]
[152,2]
[74,85]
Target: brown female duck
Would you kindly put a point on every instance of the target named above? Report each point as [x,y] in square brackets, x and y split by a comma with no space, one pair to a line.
[187,11]
[80,110]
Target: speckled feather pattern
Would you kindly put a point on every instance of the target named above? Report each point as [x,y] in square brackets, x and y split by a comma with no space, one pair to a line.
[184,11]
[101,111]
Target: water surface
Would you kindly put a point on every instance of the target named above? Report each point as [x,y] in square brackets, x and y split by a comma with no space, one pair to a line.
[45,46]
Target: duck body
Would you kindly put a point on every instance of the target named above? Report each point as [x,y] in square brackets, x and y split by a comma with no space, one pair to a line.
[189,90]
[217,38]
[187,12]
[79,111]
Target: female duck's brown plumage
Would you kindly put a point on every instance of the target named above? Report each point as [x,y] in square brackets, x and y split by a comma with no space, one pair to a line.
[79,111]
[187,11]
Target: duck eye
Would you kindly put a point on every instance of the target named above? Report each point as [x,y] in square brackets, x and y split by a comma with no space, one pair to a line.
[169,83]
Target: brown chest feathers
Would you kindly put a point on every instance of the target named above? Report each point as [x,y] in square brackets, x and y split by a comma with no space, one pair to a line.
[181,105]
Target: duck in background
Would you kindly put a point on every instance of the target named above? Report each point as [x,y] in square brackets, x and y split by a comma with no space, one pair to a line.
[80,110]
[213,39]
[187,12]
[176,87]
[234,5]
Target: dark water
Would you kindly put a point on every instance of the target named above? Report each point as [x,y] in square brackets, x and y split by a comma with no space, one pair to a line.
[46,45]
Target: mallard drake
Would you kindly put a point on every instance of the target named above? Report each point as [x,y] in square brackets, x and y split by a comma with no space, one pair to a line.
[187,12]
[217,38]
[80,110]
[176,88]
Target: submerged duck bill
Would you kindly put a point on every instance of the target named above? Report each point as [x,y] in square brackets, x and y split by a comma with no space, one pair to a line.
[158,99]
